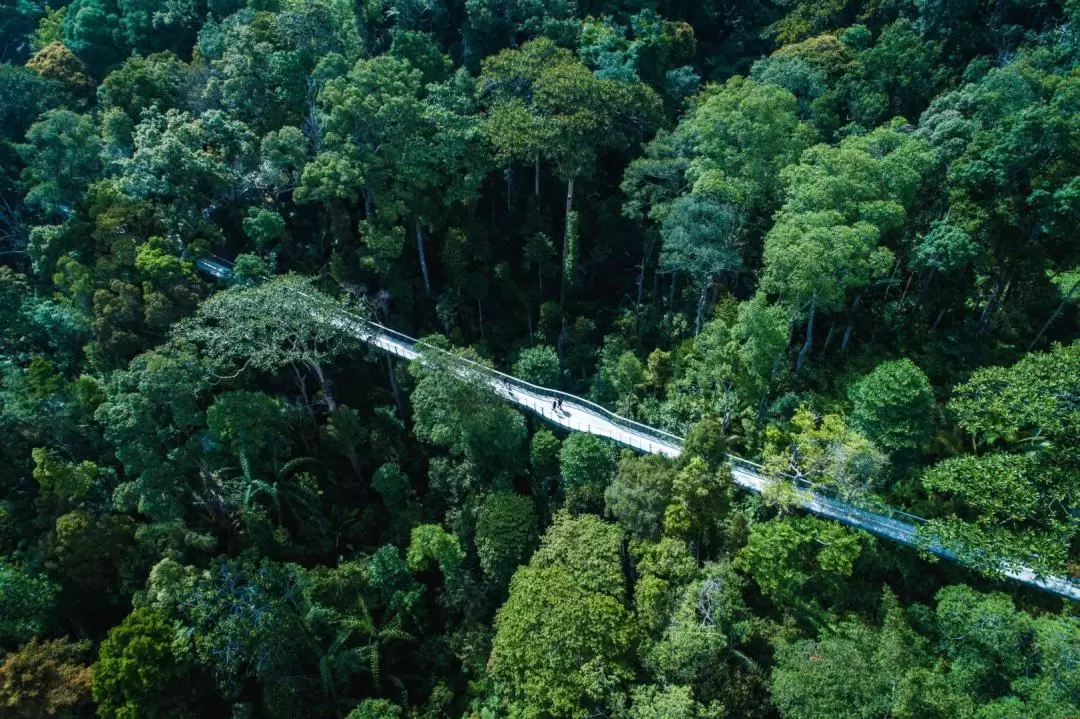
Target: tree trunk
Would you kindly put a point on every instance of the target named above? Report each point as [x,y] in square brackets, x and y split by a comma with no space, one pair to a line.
[367,202]
[324,383]
[562,345]
[671,296]
[809,336]
[302,384]
[701,305]
[937,320]
[906,286]
[992,304]
[892,276]
[641,275]
[640,286]
[828,338]
[536,175]
[925,286]
[566,242]
[851,323]
[508,174]
[480,310]
[1054,315]
[423,256]
[398,402]
[354,461]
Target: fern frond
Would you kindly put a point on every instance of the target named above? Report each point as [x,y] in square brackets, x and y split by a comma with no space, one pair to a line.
[746,661]
[401,688]
[373,663]
[245,466]
[399,634]
[289,467]
[326,674]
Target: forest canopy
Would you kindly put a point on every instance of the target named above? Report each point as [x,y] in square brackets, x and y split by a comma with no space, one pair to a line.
[834,237]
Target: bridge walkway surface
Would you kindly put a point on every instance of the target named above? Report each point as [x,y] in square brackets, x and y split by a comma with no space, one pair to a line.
[581,415]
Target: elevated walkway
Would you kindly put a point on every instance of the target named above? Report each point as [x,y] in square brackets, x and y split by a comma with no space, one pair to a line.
[581,415]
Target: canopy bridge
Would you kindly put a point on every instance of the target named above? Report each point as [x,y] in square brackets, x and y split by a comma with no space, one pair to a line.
[580,415]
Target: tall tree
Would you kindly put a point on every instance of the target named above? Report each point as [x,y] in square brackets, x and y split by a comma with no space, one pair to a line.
[842,202]
[562,639]
[280,323]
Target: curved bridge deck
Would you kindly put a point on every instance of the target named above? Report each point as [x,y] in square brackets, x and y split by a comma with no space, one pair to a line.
[581,415]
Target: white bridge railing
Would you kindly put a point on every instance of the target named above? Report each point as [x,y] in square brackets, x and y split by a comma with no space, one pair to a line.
[579,414]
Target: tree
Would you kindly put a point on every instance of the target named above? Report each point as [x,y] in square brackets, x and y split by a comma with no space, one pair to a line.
[652,52]
[282,322]
[851,670]
[141,82]
[706,440]
[542,102]
[700,498]
[376,709]
[96,552]
[249,424]
[421,51]
[377,145]
[47,678]
[245,617]
[841,202]
[66,481]
[743,134]
[505,534]
[1011,494]
[26,604]
[56,62]
[490,26]
[563,637]
[431,544]
[1000,657]
[892,406]
[28,95]
[62,158]
[640,493]
[394,486]
[139,675]
[676,702]
[824,449]
[713,182]
[92,30]
[465,416]
[152,416]
[702,237]
[587,464]
[699,629]
[539,365]
[50,28]
[798,561]
[190,164]
[873,92]
[260,63]
[264,227]
[544,463]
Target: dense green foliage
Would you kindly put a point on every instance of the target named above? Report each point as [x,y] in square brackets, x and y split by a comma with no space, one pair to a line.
[836,237]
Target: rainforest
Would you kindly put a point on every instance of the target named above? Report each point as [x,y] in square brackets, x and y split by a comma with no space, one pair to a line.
[540,359]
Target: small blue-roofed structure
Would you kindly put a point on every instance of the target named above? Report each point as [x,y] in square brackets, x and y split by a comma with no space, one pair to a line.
[215,267]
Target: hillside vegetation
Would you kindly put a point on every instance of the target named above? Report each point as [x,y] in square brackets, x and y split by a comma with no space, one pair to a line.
[837,237]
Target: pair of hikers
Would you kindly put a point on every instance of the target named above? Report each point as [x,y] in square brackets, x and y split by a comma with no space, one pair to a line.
[556,405]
